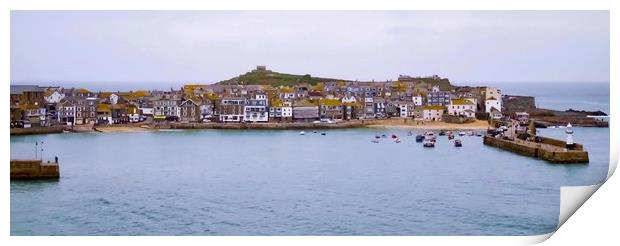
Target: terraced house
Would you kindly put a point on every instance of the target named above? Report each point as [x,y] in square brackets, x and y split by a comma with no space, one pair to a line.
[330,109]
[256,109]
[166,106]
[190,110]
[232,109]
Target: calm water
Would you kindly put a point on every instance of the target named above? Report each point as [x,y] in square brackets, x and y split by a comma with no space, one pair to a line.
[219,182]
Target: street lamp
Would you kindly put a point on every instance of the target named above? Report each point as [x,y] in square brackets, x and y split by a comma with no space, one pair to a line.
[36,150]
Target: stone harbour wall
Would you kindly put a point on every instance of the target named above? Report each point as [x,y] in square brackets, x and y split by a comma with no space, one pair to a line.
[34,169]
[552,153]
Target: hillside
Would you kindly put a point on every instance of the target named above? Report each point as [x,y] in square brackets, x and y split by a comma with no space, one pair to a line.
[268,77]
[262,76]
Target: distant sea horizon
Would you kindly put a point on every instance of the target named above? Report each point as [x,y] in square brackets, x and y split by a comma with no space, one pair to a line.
[590,96]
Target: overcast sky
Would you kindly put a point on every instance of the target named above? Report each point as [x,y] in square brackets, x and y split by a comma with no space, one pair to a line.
[112,46]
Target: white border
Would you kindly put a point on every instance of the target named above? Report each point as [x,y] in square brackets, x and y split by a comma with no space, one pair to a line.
[314,5]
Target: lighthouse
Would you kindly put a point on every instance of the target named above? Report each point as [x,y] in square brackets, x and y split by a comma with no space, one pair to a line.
[569,136]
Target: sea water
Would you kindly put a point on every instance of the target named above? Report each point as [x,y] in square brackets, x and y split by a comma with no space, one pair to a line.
[278,182]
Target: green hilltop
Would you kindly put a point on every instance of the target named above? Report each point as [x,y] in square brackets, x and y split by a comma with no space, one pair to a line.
[262,76]
[268,77]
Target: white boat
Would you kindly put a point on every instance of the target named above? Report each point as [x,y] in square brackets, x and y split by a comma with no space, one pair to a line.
[461,133]
[302,133]
[430,135]
[397,140]
[428,143]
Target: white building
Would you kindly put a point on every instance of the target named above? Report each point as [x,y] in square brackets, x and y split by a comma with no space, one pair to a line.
[54,97]
[417,100]
[113,98]
[492,103]
[256,109]
[462,107]
[492,99]
[348,99]
[432,113]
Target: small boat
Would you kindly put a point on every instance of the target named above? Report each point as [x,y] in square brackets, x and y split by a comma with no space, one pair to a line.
[551,127]
[457,143]
[428,143]
[377,136]
[479,134]
[394,136]
[470,133]
[442,133]
[323,133]
[302,133]
[384,136]
[397,140]
[450,136]
[374,141]
[314,131]
[419,138]
[461,133]
[409,133]
[430,135]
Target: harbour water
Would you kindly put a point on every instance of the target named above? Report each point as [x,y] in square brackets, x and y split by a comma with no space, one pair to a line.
[263,182]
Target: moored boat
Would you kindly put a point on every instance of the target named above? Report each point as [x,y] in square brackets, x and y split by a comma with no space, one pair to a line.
[302,133]
[461,133]
[450,136]
[428,143]
[457,143]
[419,138]
[442,133]
[430,135]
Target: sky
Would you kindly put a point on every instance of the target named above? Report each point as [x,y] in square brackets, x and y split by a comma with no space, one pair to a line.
[209,46]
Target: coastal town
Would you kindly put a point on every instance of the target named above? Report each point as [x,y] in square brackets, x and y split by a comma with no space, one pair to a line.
[256,98]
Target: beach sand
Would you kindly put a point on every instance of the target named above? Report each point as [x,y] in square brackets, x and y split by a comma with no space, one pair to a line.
[388,123]
[478,124]
[125,129]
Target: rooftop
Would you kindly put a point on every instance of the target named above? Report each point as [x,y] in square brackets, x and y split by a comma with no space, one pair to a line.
[19,89]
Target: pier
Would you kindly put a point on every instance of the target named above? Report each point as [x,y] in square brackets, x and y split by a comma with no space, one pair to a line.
[548,149]
[34,169]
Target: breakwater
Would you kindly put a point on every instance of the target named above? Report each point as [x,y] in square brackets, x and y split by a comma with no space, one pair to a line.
[36,130]
[548,149]
[34,169]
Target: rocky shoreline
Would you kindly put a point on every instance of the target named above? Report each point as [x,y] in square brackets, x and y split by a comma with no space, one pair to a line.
[546,118]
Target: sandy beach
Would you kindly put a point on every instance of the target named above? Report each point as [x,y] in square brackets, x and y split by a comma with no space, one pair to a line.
[125,129]
[384,123]
[478,124]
